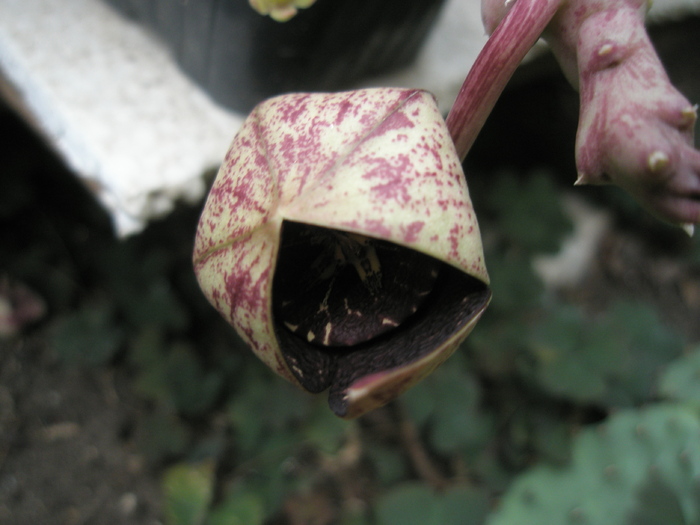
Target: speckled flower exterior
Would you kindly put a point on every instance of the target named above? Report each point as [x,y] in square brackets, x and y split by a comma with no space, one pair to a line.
[375,162]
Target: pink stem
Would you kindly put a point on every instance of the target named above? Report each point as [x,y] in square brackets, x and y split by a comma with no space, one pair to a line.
[505,49]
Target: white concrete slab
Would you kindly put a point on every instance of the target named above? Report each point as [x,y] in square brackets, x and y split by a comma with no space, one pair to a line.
[113,104]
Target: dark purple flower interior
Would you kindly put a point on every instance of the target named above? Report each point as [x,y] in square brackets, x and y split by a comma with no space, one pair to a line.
[346,307]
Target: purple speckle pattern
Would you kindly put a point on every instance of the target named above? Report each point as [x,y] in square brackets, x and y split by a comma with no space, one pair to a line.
[377,162]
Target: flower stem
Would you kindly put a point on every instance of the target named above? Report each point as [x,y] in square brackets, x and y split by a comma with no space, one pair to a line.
[503,52]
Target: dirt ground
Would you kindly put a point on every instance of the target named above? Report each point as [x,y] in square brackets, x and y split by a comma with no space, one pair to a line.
[65,450]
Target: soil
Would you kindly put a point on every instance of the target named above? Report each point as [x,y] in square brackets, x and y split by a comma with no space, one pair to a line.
[65,456]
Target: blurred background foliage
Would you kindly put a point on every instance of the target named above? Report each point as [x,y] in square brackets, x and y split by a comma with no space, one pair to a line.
[558,395]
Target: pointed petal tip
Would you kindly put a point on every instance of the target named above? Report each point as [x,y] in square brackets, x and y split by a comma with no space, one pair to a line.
[688,228]
[657,161]
[690,113]
[605,49]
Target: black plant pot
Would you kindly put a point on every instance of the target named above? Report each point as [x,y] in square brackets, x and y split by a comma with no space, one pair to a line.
[241,57]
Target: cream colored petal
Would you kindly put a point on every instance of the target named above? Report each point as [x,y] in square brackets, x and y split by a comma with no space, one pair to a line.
[237,281]
[244,195]
[383,165]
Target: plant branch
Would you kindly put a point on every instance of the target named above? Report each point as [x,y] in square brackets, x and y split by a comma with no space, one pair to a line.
[503,52]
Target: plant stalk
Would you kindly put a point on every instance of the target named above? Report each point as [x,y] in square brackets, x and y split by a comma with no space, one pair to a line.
[505,49]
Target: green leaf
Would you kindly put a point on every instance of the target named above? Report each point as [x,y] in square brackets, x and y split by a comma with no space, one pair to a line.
[240,508]
[147,349]
[681,379]
[407,504]
[612,359]
[193,389]
[650,346]
[147,354]
[448,403]
[419,402]
[354,516]
[416,504]
[388,462]
[264,409]
[551,437]
[529,211]
[188,490]
[88,336]
[458,422]
[324,430]
[156,304]
[565,347]
[516,288]
[499,342]
[462,505]
[613,465]
[274,473]
[491,470]
[657,504]
[162,435]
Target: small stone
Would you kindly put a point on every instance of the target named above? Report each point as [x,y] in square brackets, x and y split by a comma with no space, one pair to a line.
[127,503]
[61,431]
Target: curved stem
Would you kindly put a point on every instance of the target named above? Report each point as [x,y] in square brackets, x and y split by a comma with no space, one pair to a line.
[503,52]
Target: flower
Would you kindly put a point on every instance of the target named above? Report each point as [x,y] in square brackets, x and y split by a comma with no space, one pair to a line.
[340,241]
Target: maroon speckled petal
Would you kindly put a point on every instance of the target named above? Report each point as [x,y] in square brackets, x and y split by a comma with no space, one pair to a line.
[376,162]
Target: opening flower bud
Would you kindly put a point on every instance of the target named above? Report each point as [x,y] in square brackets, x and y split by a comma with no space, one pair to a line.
[340,241]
